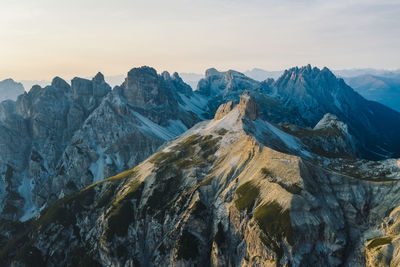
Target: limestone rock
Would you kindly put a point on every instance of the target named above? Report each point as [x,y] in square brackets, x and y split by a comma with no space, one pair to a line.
[248,106]
[223,110]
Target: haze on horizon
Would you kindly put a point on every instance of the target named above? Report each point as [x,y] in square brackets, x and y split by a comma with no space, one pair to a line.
[43,38]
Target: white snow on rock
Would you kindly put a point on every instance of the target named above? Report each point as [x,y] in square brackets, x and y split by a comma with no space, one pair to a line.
[97,168]
[196,104]
[25,190]
[153,128]
[175,127]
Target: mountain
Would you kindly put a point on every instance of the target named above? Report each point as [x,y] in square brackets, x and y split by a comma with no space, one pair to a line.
[302,96]
[345,73]
[10,89]
[257,74]
[191,78]
[237,172]
[61,138]
[112,80]
[382,89]
[315,92]
[235,190]
[262,75]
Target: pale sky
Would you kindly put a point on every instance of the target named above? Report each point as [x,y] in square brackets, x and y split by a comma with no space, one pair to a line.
[44,38]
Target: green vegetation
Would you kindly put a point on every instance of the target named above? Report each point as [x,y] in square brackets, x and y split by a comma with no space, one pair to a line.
[193,151]
[119,219]
[164,192]
[122,212]
[64,212]
[187,246]
[247,195]
[291,188]
[81,257]
[267,173]
[222,131]
[65,209]
[130,193]
[377,242]
[275,223]
[123,175]
[184,154]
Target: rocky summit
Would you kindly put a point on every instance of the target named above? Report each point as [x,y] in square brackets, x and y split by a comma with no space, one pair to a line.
[9,89]
[301,171]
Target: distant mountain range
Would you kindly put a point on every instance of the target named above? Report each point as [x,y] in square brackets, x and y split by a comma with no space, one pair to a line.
[383,89]
[382,86]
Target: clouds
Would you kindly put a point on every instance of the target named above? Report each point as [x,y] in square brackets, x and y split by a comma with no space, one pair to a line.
[44,38]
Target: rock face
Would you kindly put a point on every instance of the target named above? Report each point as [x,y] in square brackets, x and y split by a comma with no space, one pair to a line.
[62,138]
[248,106]
[223,110]
[302,96]
[9,89]
[280,176]
[315,92]
[233,191]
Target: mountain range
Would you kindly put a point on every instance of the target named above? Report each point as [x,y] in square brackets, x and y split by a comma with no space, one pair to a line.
[295,171]
[382,86]
[383,89]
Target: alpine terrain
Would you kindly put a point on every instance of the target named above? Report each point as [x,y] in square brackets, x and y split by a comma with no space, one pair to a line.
[297,171]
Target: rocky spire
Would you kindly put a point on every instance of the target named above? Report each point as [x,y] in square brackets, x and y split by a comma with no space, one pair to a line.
[224,109]
[248,106]
[60,83]
[99,77]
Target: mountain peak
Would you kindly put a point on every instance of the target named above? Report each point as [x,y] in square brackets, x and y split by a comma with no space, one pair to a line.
[224,109]
[166,75]
[8,80]
[331,121]
[248,106]
[58,82]
[212,72]
[99,77]
[176,76]
[308,71]
[140,74]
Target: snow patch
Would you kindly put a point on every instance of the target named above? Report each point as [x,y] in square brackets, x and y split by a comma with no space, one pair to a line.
[153,128]
[174,128]
[196,104]
[290,141]
[337,102]
[97,168]
[25,190]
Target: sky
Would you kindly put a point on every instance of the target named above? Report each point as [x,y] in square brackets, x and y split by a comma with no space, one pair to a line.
[45,38]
